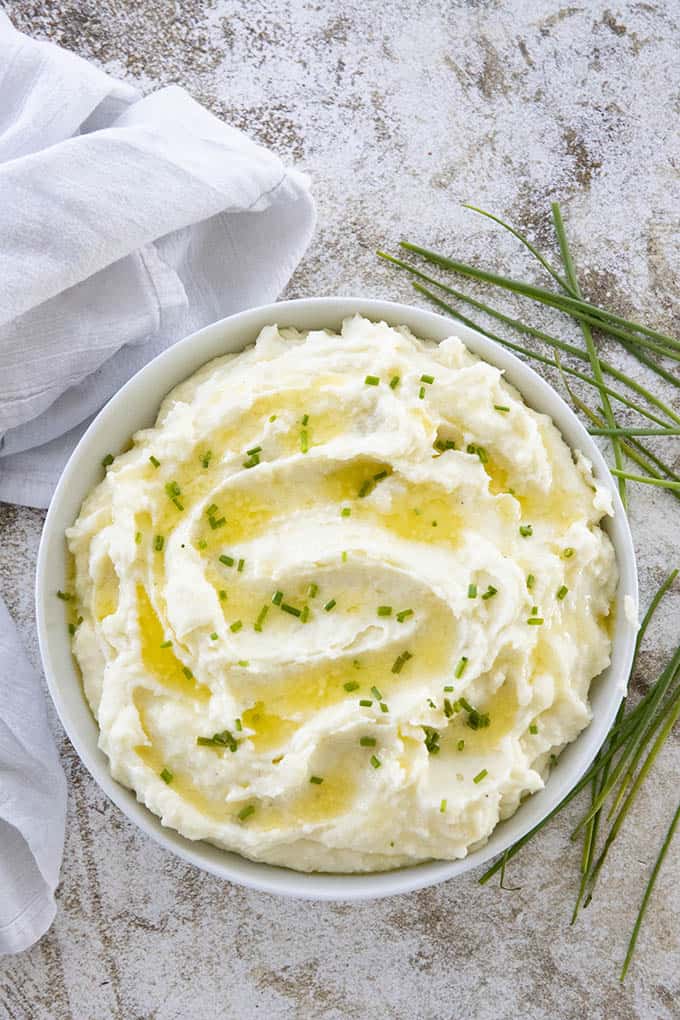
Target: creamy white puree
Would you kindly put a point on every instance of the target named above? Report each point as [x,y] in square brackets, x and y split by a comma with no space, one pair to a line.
[476,495]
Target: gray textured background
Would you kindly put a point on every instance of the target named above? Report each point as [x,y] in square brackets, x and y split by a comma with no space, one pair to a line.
[399,111]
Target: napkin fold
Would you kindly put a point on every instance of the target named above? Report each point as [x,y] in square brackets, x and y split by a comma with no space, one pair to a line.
[126,222]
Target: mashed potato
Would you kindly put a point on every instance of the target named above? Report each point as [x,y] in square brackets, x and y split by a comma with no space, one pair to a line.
[343,603]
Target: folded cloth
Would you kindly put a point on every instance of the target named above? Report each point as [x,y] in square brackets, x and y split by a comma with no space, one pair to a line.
[32,800]
[125,223]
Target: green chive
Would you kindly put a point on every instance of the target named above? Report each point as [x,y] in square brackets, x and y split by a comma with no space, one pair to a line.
[138,537]
[238,724]
[427,378]
[562,592]
[172,489]
[383,707]
[166,644]
[260,618]
[460,745]
[277,598]
[448,708]
[480,775]
[460,668]
[167,776]
[404,615]
[312,590]
[65,596]
[400,662]
[305,419]
[71,629]
[526,530]
[490,592]
[206,458]
[178,503]
[317,780]
[108,459]
[345,512]
[246,812]
[253,450]
[202,544]
[272,417]
[304,441]
[156,463]
[367,741]
[375,762]
[472,591]
[376,694]
[330,605]
[187,672]
[568,553]
[535,621]
[449,687]
[227,560]
[372,380]
[351,685]
[223,595]
[344,556]
[421,392]
[214,524]
[501,407]
[291,610]
[365,702]
[158,543]
[533,729]
[235,626]
[442,806]
[304,615]
[394,382]
[241,565]
[213,636]
[530,581]
[384,610]
[212,510]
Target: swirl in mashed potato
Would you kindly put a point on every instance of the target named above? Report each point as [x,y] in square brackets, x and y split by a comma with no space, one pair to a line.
[343,603]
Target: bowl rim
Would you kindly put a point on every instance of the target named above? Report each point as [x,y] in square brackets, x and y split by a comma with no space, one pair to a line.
[158,377]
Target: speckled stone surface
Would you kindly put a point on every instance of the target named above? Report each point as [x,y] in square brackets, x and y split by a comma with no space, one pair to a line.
[400,112]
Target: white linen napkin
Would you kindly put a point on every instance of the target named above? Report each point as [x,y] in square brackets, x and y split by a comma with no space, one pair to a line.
[125,223]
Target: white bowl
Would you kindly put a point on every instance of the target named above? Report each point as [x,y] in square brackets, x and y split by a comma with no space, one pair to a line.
[135,406]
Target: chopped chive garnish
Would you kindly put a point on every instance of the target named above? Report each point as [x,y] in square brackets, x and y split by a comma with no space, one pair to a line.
[479,450]
[227,560]
[372,380]
[534,610]
[304,615]
[366,487]
[431,703]
[253,450]
[305,419]
[535,621]
[241,565]
[562,592]
[304,441]
[431,739]
[376,694]
[400,662]
[434,524]
[156,463]
[260,618]
[472,591]
[212,510]
[213,637]
[346,512]
[238,724]
[71,629]
[421,392]
[292,610]
[312,590]
[167,776]
[568,553]
[365,702]
[448,708]
[178,503]
[246,812]
[501,407]
[367,741]
[427,378]
[404,614]
[344,556]
[530,581]
[317,780]
[277,597]
[252,461]
[217,522]
[384,610]
[206,458]
[223,595]
[108,459]
[235,626]
[384,707]
[172,489]
[272,417]
[526,530]
[375,762]
[351,685]
[138,537]
[449,687]
[166,644]
[379,476]
[490,592]
[187,672]
[533,729]
[394,382]
[444,444]
[65,596]
[480,775]
[460,745]
[460,668]
[442,806]
[330,605]
[158,543]
[202,544]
